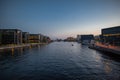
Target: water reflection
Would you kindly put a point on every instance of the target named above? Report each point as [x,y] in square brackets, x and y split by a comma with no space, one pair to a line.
[110,56]
[107,66]
[19,51]
[58,61]
[97,56]
[12,51]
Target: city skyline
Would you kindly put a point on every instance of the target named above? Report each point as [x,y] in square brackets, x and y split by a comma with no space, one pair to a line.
[60,18]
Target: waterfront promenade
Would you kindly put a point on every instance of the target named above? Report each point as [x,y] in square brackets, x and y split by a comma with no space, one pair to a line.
[15,46]
[117,48]
[107,48]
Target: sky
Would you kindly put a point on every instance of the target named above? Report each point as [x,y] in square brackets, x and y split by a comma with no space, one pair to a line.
[59,18]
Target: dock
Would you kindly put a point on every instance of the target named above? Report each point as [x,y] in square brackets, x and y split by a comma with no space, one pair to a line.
[15,46]
[106,48]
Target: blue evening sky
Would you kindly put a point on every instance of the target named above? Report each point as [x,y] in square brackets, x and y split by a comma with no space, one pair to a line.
[60,18]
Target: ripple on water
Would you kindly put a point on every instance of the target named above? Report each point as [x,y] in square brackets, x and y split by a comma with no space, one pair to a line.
[59,61]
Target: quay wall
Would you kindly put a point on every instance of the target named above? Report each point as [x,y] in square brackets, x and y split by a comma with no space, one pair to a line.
[11,47]
[106,49]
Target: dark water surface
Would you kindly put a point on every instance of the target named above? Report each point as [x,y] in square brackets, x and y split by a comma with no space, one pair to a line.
[59,61]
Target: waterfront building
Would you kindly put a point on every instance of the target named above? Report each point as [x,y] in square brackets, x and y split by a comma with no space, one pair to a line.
[111,35]
[25,36]
[10,36]
[85,39]
[70,39]
[0,38]
[98,38]
[45,39]
[48,40]
[34,38]
[41,37]
[78,38]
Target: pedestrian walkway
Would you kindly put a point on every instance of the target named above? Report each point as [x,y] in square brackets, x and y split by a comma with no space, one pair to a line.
[117,48]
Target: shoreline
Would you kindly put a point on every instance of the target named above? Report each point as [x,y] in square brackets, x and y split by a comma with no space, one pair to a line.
[16,46]
[106,48]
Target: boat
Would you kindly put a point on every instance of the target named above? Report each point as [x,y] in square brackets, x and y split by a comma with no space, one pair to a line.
[85,42]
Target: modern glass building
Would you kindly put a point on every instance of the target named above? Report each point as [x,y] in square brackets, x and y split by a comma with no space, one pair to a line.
[111,35]
[34,38]
[87,38]
[0,38]
[25,36]
[10,36]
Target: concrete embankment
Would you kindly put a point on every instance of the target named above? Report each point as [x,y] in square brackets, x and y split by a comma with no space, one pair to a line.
[109,49]
[11,47]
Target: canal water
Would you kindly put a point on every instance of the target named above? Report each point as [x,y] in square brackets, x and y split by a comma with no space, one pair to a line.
[59,61]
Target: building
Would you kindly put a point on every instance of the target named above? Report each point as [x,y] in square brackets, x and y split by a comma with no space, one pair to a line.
[34,38]
[25,36]
[70,39]
[10,36]
[78,38]
[111,35]
[0,38]
[85,39]
[48,40]
[45,39]
[98,38]
[41,38]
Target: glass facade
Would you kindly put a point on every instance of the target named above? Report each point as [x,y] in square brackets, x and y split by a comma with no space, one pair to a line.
[25,36]
[11,36]
[111,35]
[34,38]
[85,37]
